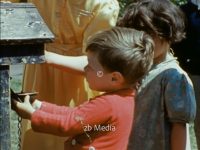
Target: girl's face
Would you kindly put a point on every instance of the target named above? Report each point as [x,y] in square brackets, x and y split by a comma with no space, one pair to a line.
[97,77]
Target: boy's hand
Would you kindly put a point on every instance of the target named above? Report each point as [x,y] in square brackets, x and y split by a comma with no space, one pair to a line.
[24,109]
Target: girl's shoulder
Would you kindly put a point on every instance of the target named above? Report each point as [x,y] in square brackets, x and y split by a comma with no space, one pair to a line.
[169,69]
[165,73]
[176,74]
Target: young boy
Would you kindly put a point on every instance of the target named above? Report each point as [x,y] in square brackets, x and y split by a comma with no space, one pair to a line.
[117,60]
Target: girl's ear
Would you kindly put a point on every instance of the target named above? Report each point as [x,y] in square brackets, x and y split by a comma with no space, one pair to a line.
[117,78]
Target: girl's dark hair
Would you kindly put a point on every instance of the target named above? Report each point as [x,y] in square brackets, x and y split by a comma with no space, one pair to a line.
[125,50]
[156,17]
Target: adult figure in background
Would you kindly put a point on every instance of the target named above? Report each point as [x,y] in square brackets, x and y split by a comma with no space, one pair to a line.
[71,21]
[188,53]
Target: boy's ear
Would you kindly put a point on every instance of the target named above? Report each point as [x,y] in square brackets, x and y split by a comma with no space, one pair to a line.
[117,78]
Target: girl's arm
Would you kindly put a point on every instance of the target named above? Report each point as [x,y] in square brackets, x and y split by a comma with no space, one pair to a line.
[180,106]
[178,136]
[74,64]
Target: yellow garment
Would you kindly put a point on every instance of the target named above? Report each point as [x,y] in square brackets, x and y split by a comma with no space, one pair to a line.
[72,22]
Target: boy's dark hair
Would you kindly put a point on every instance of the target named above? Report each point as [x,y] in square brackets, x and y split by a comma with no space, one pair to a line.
[156,17]
[127,51]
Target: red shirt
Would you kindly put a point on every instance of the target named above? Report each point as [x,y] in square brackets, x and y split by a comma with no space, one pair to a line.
[104,122]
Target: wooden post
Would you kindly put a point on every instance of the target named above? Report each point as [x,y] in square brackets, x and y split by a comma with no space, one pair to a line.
[22,39]
[4,109]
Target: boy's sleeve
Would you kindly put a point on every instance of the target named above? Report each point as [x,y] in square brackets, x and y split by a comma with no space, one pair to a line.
[55,109]
[74,121]
[179,98]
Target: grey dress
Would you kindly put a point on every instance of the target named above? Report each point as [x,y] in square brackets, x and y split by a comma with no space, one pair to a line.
[165,96]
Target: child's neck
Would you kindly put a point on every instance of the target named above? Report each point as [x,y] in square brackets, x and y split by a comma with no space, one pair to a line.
[160,52]
[120,88]
[160,58]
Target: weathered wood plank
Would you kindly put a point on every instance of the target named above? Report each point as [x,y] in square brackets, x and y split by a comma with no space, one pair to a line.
[21,23]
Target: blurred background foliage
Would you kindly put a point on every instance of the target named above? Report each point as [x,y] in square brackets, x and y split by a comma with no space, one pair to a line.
[124,3]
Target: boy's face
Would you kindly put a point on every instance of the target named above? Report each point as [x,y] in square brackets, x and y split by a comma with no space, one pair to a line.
[97,77]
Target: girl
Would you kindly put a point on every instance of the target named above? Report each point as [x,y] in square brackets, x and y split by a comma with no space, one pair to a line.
[165,100]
